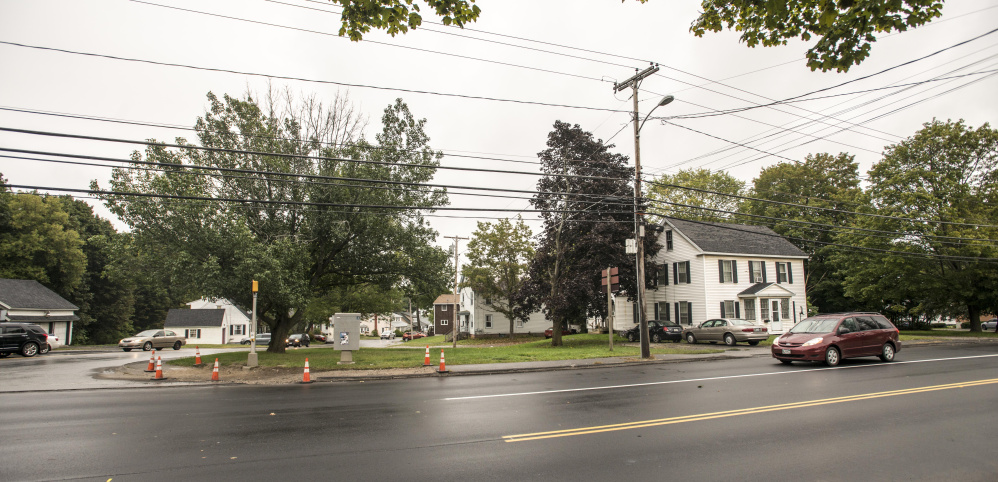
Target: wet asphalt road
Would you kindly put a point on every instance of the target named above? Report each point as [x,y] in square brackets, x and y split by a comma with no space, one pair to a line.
[429,429]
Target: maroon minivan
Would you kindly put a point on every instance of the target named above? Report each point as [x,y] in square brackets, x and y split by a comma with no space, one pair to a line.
[834,337]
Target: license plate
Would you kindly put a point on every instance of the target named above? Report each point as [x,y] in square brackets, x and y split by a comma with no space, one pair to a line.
[786,352]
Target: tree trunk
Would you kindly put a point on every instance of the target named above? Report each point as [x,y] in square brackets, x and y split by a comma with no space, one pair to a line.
[974,313]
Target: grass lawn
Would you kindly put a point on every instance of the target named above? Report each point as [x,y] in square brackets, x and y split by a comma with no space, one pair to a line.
[923,334]
[575,347]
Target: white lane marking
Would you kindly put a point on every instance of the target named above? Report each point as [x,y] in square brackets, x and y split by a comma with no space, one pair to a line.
[609,387]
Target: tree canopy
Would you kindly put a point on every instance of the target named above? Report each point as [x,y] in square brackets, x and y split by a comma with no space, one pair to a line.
[700,188]
[498,256]
[286,211]
[586,201]
[939,189]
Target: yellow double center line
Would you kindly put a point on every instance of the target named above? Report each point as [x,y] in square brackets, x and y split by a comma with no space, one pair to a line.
[745,411]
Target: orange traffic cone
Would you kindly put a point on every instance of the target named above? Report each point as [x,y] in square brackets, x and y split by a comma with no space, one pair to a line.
[443,368]
[214,372]
[426,361]
[306,378]
[197,356]
[159,369]
[152,363]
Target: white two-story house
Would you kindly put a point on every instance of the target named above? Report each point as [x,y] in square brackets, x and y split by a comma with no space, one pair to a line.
[479,317]
[719,270]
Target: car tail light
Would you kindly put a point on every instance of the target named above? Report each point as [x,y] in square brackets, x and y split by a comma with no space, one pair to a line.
[749,330]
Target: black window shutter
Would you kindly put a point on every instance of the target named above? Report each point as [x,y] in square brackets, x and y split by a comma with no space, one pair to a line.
[678,319]
[738,311]
[763,271]
[665,274]
[666,311]
[720,271]
[656,311]
[634,308]
[722,310]
[689,311]
[734,271]
[689,275]
[790,275]
[675,273]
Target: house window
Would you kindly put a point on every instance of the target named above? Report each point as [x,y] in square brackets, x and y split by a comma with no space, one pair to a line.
[443,307]
[444,321]
[668,240]
[681,272]
[727,271]
[663,311]
[519,323]
[764,308]
[749,309]
[488,321]
[660,276]
[729,309]
[237,329]
[193,333]
[684,313]
[783,273]
[757,272]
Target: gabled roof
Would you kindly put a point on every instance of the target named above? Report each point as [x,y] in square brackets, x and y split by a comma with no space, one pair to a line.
[728,238]
[765,289]
[28,294]
[183,317]
[448,299]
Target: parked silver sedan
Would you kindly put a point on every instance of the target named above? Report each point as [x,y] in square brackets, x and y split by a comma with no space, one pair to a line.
[727,330]
[149,339]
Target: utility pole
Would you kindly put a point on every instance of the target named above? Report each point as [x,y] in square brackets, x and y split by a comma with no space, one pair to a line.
[252,359]
[456,330]
[633,83]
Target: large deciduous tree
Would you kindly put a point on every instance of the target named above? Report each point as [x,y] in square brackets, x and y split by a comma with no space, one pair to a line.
[680,195]
[295,210]
[38,243]
[808,202]
[940,191]
[498,257]
[586,202]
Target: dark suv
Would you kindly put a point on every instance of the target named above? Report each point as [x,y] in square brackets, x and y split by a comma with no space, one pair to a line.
[834,337]
[28,339]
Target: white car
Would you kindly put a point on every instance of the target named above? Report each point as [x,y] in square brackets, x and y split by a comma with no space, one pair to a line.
[387,335]
[985,325]
[53,342]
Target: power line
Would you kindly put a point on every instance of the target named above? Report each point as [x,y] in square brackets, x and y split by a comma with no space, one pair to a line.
[314,81]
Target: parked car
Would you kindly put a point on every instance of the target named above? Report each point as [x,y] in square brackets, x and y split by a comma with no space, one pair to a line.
[728,330]
[989,325]
[834,337]
[319,337]
[297,339]
[261,339]
[658,331]
[412,335]
[28,339]
[387,334]
[548,333]
[51,341]
[149,339]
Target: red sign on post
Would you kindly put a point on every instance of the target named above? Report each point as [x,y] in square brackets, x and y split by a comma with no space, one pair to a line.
[611,278]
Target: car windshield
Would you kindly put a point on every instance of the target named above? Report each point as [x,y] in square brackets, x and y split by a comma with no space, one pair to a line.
[147,333]
[815,325]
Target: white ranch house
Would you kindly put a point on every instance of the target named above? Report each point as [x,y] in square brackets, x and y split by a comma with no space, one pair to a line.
[719,270]
[215,322]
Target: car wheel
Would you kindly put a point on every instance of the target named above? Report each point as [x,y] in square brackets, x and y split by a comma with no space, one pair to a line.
[753,342]
[832,356]
[306,344]
[29,349]
[631,338]
[729,339]
[127,349]
[656,338]
[887,352]
[690,338]
[787,362]
[177,345]
[45,349]
[147,346]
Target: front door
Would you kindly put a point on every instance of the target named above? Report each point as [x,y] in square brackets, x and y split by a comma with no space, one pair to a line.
[775,314]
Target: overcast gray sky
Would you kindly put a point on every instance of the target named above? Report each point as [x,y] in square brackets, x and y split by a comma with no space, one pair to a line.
[296,38]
